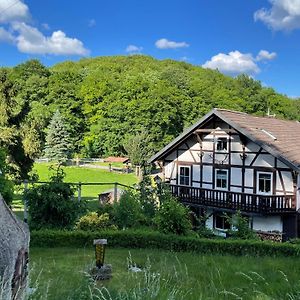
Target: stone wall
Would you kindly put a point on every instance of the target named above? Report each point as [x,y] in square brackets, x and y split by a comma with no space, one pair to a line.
[273,236]
[14,247]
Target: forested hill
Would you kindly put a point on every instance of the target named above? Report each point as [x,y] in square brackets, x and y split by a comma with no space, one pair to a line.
[108,100]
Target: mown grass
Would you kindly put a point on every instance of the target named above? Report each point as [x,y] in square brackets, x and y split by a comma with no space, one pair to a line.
[61,273]
[79,174]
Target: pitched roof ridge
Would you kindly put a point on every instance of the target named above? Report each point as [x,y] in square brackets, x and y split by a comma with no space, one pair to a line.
[230,110]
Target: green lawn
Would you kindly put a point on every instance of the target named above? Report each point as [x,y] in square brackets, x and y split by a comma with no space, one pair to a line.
[79,174]
[61,273]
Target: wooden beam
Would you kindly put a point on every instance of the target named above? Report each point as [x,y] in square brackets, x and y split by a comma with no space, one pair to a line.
[215,130]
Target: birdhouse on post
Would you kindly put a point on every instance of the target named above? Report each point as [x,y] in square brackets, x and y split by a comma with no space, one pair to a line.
[101,271]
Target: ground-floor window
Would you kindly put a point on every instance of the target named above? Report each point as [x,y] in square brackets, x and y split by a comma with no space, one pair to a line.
[221,222]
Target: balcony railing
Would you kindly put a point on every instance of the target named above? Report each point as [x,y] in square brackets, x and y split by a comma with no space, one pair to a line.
[253,203]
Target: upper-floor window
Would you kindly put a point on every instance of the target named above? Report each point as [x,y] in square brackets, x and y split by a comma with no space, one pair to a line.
[221,144]
[264,183]
[222,179]
[184,175]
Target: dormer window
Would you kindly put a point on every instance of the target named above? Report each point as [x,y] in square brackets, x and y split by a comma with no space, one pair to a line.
[221,144]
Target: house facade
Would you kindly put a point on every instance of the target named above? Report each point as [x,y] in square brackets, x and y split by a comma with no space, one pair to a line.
[231,161]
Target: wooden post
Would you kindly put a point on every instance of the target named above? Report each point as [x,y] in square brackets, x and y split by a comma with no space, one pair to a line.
[79,191]
[25,201]
[115,192]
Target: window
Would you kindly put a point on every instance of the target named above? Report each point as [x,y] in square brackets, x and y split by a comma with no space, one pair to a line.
[184,175]
[221,222]
[222,144]
[222,179]
[264,183]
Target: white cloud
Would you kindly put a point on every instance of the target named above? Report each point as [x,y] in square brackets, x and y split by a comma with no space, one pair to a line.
[12,10]
[6,36]
[166,44]
[30,40]
[283,15]
[133,49]
[92,23]
[14,14]
[233,63]
[265,55]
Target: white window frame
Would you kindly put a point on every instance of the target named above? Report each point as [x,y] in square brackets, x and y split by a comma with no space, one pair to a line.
[216,178]
[215,223]
[257,183]
[216,144]
[190,175]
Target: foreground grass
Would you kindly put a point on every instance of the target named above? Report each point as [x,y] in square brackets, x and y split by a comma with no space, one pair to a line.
[60,273]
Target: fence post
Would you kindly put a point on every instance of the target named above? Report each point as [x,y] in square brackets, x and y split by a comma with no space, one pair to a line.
[79,191]
[25,201]
[115,192]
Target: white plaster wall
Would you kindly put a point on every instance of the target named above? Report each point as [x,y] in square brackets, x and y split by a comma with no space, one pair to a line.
[236,143]
[236,159]
[185,156]
[236,189]
[251,147]
[249,159]
[280,164]
[170,170]
[195,184]
[264,160]
[248,191]
[288,181]
[207,173]
[278,184]
[249,177]
[236,176]
[207,157]
[210,221]
[270,223]
[207,145]
[196,172]
[207,186]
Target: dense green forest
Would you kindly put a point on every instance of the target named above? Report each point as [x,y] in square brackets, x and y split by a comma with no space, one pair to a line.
[109,101]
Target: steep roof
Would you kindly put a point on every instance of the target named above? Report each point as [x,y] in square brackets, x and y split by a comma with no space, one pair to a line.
[278,137]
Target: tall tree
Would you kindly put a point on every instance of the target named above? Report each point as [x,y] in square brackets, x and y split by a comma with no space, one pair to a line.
[58,143]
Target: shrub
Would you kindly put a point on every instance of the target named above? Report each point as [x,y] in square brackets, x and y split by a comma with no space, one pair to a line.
[94,222]
[52,205]
[240,227]
[145,239]
[127,211]
[173,217]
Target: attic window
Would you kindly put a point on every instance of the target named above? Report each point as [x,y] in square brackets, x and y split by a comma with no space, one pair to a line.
[221,144]
[269,134]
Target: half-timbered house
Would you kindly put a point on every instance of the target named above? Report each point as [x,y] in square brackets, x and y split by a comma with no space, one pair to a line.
[230,161]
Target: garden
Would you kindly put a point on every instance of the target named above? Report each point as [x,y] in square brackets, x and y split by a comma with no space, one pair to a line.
[157,248]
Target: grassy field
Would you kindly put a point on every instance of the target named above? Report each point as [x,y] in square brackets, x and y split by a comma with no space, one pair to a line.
[61,273]
[80,174]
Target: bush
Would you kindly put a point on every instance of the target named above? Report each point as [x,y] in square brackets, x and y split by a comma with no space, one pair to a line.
[127,212]
[240,227]
[94,222]
[52,205]
[173,217]
[145,239]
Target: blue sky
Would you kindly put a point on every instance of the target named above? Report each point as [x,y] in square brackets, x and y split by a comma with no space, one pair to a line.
[257,37]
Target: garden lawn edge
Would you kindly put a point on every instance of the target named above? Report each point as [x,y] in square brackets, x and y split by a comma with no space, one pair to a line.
[141,239]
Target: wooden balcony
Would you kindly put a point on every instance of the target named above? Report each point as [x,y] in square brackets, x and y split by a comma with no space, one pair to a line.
[249,203]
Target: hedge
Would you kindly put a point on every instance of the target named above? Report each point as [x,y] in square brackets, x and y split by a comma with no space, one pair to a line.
[145,239]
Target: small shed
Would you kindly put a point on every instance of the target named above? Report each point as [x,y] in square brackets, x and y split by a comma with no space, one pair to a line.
[108,196]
